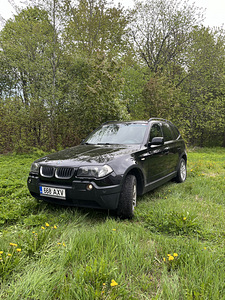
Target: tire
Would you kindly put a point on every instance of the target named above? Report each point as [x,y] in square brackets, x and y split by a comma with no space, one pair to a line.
[182,171]
[128,198]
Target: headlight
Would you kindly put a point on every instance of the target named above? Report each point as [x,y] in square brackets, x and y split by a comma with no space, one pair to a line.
[34,168]
[94,171]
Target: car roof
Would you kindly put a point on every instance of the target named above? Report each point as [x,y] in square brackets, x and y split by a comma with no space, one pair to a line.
[136,121]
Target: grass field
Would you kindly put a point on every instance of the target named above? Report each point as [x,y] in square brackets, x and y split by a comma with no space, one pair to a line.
[172,249]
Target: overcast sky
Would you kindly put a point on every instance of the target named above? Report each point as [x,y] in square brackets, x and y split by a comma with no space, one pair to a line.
[215,10]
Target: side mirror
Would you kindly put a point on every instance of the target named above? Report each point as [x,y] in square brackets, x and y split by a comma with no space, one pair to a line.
[157,141]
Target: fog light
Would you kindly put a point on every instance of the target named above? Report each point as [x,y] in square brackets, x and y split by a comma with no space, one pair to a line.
[89,187]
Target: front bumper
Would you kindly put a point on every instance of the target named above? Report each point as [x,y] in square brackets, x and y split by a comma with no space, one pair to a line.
[77,194]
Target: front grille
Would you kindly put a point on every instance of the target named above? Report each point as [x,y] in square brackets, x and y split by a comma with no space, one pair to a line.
[64,173]
[58,172]
[47,171]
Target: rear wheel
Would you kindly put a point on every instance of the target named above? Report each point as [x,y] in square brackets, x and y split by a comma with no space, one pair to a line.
[182,171]
[128,198]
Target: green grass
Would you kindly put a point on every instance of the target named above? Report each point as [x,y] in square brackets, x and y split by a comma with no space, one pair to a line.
[172,249]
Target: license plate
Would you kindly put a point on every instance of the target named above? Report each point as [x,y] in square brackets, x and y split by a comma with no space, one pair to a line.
[52,192]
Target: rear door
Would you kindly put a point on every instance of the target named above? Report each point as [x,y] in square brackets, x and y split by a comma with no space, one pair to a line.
[170,150]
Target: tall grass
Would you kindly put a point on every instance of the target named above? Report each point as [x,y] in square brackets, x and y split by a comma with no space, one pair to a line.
[172,249]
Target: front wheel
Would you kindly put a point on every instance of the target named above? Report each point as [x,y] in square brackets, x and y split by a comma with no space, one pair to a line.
[128,198]
[182,171]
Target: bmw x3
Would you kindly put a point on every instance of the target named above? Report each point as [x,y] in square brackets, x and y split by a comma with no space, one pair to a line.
[112,166]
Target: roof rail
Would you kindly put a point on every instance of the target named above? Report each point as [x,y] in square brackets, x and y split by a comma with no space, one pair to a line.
[157,119]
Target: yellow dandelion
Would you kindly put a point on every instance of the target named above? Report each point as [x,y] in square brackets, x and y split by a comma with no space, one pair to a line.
[113,283]
[184,218]
[42,227]
[12,244]
[164,259]
[55,227]
[171,258]
[18,250]
[64,244]
[175,254]
[9,254]
[114,229]
[205,248]
[103,284]
[47,225]
[169,255]
[59,244]
[1,252]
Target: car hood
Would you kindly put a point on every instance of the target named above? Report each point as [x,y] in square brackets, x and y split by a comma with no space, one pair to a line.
[88,154]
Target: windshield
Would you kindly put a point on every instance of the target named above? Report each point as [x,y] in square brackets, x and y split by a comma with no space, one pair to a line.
[124,133]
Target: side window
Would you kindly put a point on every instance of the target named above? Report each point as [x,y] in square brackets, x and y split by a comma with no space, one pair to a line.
[175,131]
[168,136]
[155,131]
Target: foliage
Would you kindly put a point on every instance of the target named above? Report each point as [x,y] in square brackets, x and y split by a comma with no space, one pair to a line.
[205,111]
[96,25]
[67,66]
[161,31]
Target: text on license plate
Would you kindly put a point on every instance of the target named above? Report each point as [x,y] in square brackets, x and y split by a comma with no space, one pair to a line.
[52,192]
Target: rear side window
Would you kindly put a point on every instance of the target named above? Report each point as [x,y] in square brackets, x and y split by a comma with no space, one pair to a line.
[167,133]
[176,132]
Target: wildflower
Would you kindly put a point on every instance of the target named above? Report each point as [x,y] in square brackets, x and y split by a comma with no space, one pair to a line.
[184,218]
[59,244]
[47,225]
[12,244]
[9,254]
[33,232]
[1,252]
[114,229]
[55,227]
[164,259]
[103,284]
[18,250]
[64,244]
[42,227]
[205,248]
[171,258]
[175,254]
[113,283]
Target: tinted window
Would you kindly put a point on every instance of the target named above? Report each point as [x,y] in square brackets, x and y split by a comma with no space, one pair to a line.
[155,131]
[175,131]
[167,133]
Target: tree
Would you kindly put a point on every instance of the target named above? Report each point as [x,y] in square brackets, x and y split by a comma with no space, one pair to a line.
[98,101]
[95,25]
[161,32]
[204,110]
[26,52]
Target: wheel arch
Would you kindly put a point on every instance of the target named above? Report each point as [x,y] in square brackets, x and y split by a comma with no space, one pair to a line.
[139,177]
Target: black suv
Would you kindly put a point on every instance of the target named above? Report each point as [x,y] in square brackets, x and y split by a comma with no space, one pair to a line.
[117,162]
